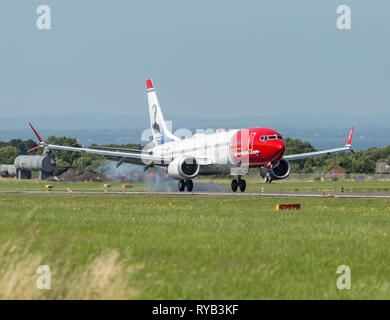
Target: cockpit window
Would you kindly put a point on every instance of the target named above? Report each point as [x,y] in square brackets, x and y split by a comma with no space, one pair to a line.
[275,137]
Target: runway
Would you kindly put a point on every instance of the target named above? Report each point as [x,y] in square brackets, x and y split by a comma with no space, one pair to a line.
[342,195]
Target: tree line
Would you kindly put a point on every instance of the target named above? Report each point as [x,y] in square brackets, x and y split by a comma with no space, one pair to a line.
[360,162]
[64,159]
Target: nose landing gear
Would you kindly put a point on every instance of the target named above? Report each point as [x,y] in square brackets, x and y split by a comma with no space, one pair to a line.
[239,183]
[185,184]
[268,178]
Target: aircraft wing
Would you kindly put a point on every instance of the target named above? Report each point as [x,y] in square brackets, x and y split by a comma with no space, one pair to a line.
[118,149]
[140,157]
[346,148]
[136,157]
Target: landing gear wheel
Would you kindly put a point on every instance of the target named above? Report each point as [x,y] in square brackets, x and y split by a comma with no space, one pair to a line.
[181,184]
[189,185]
[242,185]
[234,185]
[267,178]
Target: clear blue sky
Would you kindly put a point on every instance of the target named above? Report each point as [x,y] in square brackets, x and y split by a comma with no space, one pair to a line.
[222,58]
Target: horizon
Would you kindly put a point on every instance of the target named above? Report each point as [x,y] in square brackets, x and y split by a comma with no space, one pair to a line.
[321,138]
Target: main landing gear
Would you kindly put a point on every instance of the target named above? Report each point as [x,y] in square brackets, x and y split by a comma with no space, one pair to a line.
[182,184]
[239,183]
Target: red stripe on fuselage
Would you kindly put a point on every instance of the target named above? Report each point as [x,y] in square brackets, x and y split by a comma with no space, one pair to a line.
[246,146]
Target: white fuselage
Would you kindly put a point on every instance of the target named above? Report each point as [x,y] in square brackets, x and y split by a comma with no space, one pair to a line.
[213,147]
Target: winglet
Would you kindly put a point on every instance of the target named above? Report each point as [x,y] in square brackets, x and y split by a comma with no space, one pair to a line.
[36,133]
[149,84]
[35,148]
[348,144]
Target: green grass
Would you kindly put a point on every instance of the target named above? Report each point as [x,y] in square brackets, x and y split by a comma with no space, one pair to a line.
[307,186]
[172,247]
[253,185]
[35,184]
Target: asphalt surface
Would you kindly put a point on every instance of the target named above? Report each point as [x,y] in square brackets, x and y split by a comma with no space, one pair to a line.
[348,195]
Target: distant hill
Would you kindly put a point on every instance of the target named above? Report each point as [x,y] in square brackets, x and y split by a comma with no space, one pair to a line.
[320,131]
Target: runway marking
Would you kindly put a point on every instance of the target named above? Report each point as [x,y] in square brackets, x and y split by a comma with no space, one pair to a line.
[216,194]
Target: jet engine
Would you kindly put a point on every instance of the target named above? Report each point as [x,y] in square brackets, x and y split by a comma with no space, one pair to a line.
[281,170]
[183,168]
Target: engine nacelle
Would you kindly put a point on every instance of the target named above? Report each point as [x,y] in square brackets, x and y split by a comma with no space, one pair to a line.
[183,168]
[280,171]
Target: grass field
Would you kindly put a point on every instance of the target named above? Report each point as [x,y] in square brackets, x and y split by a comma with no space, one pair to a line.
[253,184]
[157,247]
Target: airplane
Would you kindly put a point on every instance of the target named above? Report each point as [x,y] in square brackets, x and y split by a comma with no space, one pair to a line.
[231,152]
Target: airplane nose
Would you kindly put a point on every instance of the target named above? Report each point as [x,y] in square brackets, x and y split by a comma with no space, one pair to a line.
[278,148]
[281,145]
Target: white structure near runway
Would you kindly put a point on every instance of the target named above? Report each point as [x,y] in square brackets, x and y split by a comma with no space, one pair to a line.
[23,166]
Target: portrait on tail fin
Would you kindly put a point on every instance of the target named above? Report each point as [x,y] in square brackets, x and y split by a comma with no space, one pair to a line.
[155,126]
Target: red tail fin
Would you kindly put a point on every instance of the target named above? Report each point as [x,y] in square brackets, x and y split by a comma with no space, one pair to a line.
[149,84]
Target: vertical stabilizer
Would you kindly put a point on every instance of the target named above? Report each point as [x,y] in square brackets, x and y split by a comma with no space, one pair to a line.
[160,132]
